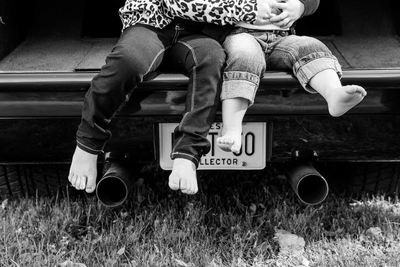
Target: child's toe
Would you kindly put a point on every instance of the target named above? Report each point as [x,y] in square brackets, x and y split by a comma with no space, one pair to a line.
[189,191]
[224,141]
[184,184]
[361,90]
[231,141]
[70,176]
[74,180]
[355,89]
[81,183]
[90,185]
[235,149]
[173,182]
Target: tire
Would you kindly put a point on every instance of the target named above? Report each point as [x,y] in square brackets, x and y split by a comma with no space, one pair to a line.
[364,177]
[32,180]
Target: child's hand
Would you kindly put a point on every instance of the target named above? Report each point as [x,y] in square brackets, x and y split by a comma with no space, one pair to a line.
[264,12]
[291,11]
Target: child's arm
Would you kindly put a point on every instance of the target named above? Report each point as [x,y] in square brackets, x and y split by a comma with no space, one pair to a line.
[222,12]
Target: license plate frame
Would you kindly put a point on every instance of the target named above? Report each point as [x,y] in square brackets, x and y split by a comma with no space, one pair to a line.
[256,148]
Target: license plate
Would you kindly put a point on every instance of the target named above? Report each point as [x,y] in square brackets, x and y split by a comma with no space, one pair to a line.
[251,157]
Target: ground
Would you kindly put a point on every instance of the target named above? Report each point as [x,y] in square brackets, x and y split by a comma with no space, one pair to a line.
[232,221]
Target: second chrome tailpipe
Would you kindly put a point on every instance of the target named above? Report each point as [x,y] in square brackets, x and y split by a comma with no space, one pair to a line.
[308,184]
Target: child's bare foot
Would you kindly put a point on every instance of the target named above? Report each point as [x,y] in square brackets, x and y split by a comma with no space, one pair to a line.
[233,110]
[231,140]
[183,176]
[83,171]
[342,99]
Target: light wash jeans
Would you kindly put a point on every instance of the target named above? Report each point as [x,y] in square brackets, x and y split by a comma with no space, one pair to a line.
[250,53]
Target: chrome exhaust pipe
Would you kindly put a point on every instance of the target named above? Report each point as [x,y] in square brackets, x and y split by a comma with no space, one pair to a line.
[114,187]
[308,184]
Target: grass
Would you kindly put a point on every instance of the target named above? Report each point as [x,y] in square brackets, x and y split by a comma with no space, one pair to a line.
[231,222]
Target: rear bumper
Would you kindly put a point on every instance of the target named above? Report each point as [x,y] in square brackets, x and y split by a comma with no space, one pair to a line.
[49,95]
[76,81]
[39,115]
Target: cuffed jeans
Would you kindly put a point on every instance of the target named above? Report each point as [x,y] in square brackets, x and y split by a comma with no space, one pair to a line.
[250,53]
[137,55]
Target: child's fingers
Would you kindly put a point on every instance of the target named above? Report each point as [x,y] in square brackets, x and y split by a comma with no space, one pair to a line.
[283,23]
[262,21]
[279,17]
[278,5]
[263,9]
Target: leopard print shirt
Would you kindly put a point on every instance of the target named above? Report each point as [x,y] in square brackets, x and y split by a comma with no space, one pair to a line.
[159,13]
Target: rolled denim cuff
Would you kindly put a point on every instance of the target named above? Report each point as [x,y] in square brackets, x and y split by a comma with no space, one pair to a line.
[91,137]
[307,67]
[194,159]
[240,84]
[88,148]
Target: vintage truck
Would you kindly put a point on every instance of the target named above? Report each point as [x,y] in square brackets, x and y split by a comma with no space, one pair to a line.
[50,51]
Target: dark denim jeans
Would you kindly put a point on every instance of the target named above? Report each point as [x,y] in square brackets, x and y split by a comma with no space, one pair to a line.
[139,52]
